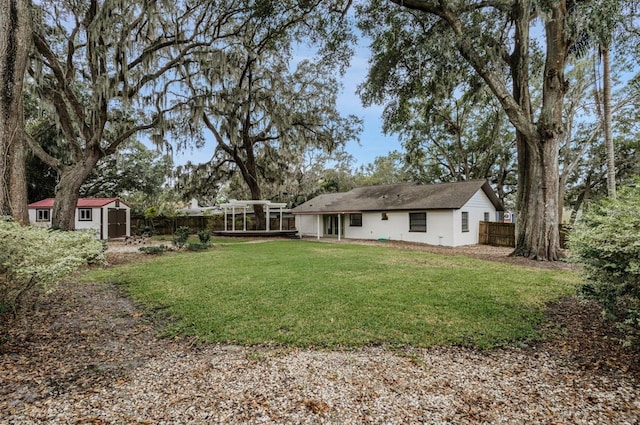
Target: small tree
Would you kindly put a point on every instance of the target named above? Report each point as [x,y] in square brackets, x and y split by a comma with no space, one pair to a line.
[181,235]
[607,242]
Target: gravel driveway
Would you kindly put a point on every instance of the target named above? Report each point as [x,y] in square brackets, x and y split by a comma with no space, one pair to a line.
[89,355]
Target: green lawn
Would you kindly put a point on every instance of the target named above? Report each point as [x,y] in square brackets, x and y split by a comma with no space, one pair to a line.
[316,294]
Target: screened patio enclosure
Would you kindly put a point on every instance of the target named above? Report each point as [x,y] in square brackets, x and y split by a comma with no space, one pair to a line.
[240,218]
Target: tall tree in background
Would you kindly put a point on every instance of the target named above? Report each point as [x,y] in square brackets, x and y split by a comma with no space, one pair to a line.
[261,114]
[41,178]
[15,43]
[101,67]
[134,168]
[388,169]
[610,22]
[459,138]
[580,131]
[494,39]
[589,179]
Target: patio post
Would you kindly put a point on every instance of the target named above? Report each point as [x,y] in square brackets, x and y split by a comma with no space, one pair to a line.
[268,219]
[233,218]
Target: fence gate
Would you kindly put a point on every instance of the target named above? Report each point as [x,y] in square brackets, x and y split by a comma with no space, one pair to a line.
[117,222]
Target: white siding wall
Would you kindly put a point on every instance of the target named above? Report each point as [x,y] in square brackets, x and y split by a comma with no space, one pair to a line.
[307,225]
[373,227]
[476,207]
[32,218]
[94,224]
[439,229]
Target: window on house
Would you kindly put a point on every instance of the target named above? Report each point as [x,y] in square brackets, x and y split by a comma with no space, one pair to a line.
[385,216]
[42,215]
[418,222]
[465,221]
[487,216]
[355,220]
[84,214]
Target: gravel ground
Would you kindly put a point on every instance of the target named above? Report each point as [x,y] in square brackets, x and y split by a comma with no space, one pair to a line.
[86,354]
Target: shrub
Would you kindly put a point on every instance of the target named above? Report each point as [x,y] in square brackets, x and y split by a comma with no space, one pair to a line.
[153,249]
[36,258]
[144,231]
[181,235]
[607,242]
[204,236]
[197,246]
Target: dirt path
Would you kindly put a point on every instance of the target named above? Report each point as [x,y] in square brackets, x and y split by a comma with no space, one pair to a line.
[88,354]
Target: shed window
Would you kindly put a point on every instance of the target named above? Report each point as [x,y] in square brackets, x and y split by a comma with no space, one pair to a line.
[42,215]
[355,220]
[418,222]
[487,216]
[84,214]
[465,221]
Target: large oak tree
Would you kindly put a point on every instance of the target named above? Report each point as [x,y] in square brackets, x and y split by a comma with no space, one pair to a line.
[102,67]
[495,39]
[263,110]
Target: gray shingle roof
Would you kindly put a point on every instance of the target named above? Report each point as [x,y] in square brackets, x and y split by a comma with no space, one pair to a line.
[401,196]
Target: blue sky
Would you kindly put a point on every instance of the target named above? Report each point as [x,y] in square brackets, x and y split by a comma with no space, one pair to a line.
[373,142]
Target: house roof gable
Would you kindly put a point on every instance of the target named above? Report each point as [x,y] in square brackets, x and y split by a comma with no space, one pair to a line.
[400,196]
[82,202]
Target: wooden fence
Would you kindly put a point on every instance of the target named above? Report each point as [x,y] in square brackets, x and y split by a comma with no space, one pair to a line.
[497,234]
[504,234]
[211,223]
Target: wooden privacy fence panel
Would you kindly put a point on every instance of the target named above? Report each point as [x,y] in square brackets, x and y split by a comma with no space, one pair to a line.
[504,234]
[211,223]
[497,234]
[168,226]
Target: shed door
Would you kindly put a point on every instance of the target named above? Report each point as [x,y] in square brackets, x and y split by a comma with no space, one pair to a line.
[117,222]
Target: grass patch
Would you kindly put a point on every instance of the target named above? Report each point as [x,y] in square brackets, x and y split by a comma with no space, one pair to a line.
[315,294]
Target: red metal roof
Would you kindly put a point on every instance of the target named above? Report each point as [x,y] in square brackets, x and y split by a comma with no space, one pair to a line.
[82,202]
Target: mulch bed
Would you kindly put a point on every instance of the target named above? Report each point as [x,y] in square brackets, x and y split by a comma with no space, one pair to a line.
[88,354]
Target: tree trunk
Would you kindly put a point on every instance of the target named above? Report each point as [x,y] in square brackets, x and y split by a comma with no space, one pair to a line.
[606,121]
[562,190]
[537,230]
[67,193]
[258,210]
[583,198]
[18,173]
[249,173]
[537,227]
[15,38]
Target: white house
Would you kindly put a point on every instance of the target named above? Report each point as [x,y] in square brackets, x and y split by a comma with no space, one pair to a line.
[445,214]
[109,217]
